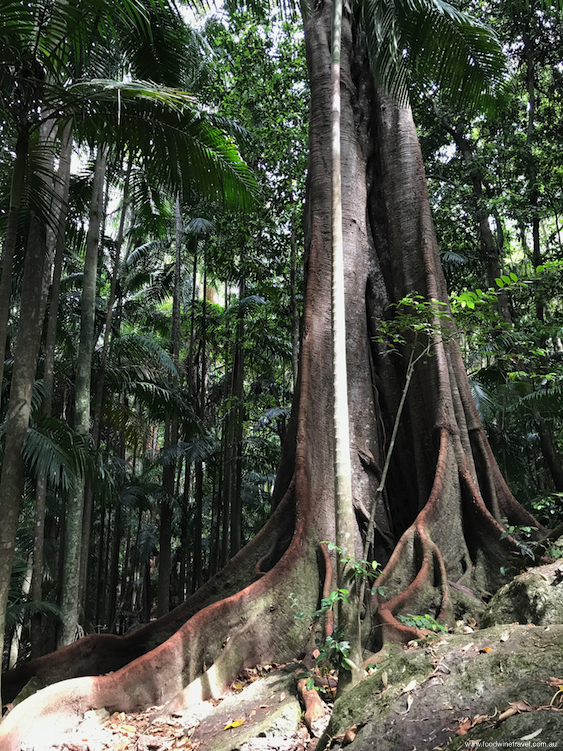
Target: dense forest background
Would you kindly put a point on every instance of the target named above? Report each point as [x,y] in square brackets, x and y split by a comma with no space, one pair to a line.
[181,295]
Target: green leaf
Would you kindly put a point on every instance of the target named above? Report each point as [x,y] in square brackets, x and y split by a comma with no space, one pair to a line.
[348,663]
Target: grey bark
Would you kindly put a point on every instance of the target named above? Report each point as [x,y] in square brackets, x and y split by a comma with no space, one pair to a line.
[16,194]
[19,405]
[70,603]
[57,238]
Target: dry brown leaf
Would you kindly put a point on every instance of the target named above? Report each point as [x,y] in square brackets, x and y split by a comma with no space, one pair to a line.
[349,735]
[522,706]
[555,682]
[507,713]
[464,727]
[478,719]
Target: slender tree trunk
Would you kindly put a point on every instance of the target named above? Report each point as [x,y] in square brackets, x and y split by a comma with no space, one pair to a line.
[171,437]
[16,637]
[197,575]
[294,306]
[99,396]
[549,451]
[488,244]
[19,405]
[529,53]
[348,613]
[70,603]
[237,419]
[16,195]
[114,567]
[62,185]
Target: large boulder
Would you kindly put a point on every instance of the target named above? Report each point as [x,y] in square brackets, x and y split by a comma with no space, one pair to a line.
[535,596]
[500,684]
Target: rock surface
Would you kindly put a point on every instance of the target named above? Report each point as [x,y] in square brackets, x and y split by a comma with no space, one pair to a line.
[535,596]
[500,684]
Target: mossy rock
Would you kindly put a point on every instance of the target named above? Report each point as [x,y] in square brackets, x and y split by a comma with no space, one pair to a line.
[535,596]
[457,677]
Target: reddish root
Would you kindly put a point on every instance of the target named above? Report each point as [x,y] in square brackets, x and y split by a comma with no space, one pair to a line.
[104,653]
[314,706]
[255,624]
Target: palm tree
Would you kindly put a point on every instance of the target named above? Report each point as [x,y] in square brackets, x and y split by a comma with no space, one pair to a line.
[440,520]
[165,126]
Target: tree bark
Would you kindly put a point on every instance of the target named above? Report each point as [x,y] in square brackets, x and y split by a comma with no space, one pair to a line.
[488,244]
[19,405]
[62,185]
[16,194]
[445,492]
[70,603]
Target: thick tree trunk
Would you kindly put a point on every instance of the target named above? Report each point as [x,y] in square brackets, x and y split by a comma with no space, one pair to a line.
[444,490]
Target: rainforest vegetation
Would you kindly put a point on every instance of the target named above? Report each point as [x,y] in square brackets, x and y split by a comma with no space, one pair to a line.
[168,372]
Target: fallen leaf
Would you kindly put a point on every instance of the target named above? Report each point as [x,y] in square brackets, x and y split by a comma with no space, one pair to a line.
[532,735]
[410,686]
[238,686]
[349,735]
[409,702]
[555,682]
[480,718]
[505,636]
[464,728]
[486,649]
[467,647]
[507,713]
[384,679]
[282,696]
[235,723]
[522,706]
[128,728]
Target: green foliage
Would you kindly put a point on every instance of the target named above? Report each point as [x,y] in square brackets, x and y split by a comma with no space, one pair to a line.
[358,570]
[421,621]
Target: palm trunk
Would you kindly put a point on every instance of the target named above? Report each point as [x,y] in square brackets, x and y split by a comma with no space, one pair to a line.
[529,53]
[171,438]
[62,187]
[16,195]
[197,577]
[237,418]
[70,604]
[294,306]
[488,244]
[99,396]
[19,405]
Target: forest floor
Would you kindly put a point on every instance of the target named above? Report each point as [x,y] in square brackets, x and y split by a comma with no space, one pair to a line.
[259,712]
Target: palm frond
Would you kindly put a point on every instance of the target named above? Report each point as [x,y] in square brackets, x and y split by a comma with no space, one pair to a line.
[174,136]
[434,43]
